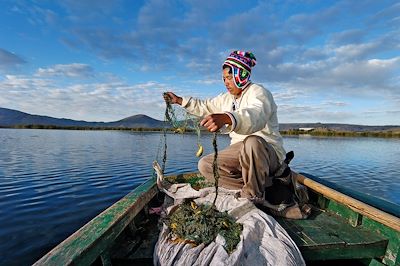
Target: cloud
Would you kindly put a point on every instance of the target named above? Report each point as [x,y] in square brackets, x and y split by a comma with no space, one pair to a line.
[369,112]
[301,54]
[287,95]
[196,35]
[312,113]
[9,60]
[375,116]
[35,14]
[355,51]
[23,84]
[148,41]
[369,74]
[175,37]
[365,78]
[352,36]
[395,112]
[84,10]
[388,16]
[92,101]
[74,70]
[332,103]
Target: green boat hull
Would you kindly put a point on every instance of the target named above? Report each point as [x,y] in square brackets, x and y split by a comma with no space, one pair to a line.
[340,228]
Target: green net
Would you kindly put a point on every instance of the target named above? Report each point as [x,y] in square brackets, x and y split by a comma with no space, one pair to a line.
[196,224]
[191,223]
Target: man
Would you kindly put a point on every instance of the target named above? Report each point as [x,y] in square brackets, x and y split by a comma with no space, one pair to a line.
[248,112]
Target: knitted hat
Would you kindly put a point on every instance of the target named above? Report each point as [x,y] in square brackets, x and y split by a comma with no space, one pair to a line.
[241,64]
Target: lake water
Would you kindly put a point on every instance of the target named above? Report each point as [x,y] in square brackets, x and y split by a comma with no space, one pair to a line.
[54,181]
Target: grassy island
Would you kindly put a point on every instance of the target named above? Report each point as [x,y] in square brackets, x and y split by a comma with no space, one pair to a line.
[291,132]
[336,133]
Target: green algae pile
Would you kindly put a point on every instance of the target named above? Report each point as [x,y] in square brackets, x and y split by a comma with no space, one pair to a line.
[196,224]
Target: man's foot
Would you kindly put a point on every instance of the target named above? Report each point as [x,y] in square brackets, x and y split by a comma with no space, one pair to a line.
[293,212]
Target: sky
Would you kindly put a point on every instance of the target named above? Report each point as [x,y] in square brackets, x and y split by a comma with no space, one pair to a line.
[103,60]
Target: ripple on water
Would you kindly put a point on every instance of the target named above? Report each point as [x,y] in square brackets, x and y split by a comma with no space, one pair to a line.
[53,183]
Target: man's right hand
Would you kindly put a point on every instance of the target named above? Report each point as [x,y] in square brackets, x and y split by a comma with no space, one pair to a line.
[172,98]
[214,122]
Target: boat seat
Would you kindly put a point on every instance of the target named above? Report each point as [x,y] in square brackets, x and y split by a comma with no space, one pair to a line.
[326,236]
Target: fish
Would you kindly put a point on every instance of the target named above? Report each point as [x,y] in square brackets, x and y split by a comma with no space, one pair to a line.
[199,150]
[180,130]
[177,191]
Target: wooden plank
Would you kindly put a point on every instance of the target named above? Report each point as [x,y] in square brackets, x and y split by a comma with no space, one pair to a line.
[309,234]
[376,202]
[326,236]
[359,242]
[89,242]
[339,253]
[373,262]
[356,205]
[354,218]
[392,255]
[334,225]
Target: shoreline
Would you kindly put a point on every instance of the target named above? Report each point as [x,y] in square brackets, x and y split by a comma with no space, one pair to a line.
[291,132]
[334,133]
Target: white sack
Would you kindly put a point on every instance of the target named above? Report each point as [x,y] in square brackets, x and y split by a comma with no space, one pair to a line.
[263,240]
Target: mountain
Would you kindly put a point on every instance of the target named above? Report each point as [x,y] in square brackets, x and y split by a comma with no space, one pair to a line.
[11,118]
[138,121]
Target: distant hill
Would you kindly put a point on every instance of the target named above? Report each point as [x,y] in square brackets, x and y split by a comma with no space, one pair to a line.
[138,121]
[12,118]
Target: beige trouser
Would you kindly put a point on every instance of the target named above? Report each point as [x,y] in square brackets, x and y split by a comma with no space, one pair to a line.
[245,165]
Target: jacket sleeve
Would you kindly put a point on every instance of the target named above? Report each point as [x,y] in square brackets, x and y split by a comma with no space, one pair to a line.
[202,108]
[255,115]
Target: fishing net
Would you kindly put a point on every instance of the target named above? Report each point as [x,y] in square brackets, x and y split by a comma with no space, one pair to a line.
[196,224]
[192,223]
[177,121]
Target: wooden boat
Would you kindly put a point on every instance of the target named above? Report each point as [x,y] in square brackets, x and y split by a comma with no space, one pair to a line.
[345,228]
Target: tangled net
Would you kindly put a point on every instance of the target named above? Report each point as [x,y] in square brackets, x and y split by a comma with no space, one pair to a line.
[196,224]
[192,223]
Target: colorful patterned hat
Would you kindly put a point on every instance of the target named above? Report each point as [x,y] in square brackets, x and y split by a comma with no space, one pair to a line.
[241,64]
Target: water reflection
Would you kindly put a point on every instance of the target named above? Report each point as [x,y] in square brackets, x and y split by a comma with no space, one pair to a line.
[54,181]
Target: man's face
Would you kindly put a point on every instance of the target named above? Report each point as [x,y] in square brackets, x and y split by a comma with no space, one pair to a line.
[230,83]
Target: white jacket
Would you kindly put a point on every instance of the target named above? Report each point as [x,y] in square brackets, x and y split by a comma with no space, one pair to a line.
[255,114]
